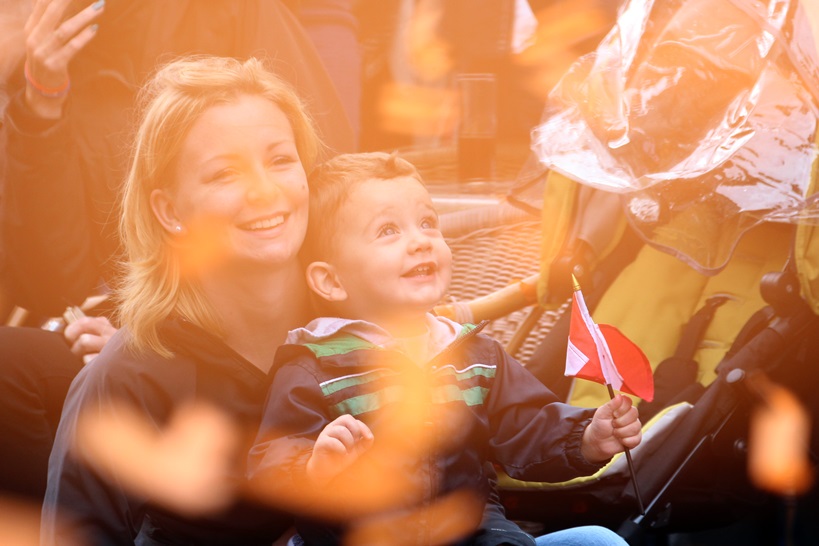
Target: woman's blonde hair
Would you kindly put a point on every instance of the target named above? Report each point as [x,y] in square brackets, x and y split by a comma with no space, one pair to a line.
[153,287]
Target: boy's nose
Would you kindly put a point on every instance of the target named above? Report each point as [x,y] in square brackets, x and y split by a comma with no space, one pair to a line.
[419,242]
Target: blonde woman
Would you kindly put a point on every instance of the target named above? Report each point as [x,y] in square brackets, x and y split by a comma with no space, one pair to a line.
[74,68]
[214,214]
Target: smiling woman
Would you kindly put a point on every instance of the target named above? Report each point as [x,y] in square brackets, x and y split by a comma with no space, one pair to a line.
[240,189]
[238,148]
[65,160]
[218,172]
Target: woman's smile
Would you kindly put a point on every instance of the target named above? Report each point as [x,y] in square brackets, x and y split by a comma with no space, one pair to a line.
[264,224]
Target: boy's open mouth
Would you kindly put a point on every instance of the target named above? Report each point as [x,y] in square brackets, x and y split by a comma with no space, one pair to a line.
[422,270]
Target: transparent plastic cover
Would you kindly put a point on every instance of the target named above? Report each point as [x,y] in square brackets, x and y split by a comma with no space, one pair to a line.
[702,114]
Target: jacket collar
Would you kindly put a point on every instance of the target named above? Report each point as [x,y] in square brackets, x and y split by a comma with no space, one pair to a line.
[331,335]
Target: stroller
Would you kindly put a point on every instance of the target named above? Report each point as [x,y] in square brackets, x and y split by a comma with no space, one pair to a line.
[703,255]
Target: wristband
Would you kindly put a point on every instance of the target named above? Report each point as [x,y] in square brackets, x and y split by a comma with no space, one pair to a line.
[50,92]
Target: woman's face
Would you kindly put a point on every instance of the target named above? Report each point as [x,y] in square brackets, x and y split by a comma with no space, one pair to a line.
[240,196]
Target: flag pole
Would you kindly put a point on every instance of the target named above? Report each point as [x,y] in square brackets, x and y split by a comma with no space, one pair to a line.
[630,466]
[576,287]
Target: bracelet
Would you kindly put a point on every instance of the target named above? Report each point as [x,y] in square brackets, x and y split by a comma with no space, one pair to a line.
[50,92]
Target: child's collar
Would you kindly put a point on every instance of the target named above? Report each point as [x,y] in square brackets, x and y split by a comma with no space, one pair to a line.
[442,332]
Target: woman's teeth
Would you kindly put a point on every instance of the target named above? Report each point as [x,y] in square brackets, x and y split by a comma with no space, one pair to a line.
[266,223]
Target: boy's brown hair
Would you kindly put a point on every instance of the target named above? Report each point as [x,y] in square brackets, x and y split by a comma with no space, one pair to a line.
[330,185]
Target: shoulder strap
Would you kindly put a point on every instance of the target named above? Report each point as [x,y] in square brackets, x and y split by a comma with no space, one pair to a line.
[695,327]
[678,374]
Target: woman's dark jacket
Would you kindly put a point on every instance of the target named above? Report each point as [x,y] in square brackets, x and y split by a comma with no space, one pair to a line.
[79,502]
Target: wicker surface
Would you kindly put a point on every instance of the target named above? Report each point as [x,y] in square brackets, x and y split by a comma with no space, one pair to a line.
[489,259]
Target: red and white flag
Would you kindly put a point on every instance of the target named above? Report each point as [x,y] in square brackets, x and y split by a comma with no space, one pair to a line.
[601,353]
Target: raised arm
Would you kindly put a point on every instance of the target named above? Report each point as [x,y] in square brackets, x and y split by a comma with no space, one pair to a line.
[52,42]
[49,233]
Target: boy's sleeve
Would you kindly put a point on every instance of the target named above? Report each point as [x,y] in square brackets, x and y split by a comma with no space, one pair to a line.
[294,415]
[534,436]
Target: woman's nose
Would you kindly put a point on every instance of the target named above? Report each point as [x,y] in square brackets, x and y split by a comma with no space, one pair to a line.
[262,186]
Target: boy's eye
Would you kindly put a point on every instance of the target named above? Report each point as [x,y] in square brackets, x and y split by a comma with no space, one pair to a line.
[387,230]
[429,223]
[284,159]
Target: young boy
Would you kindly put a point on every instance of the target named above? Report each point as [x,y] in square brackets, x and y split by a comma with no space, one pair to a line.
[381,384]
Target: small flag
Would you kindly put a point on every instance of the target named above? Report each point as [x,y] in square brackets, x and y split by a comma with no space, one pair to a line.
[601,353]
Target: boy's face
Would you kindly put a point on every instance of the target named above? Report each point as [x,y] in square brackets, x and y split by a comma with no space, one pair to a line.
[389,255]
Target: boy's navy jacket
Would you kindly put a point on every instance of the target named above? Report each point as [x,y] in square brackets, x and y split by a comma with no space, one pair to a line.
[481,407]
[80,502]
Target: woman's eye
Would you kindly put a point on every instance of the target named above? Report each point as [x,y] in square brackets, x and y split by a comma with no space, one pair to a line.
[387,230]
[224,175]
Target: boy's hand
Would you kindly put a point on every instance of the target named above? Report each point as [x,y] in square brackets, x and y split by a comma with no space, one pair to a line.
[337,447]
[615,426]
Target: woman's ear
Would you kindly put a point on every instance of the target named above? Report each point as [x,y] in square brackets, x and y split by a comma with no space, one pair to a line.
[323,280]
[165,212]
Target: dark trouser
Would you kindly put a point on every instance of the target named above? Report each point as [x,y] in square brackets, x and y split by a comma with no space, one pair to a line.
[36,369]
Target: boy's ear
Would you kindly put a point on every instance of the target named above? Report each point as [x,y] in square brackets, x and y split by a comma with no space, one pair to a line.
[323,280]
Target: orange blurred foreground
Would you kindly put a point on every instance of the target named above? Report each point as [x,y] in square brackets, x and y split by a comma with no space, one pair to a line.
[189,467]
[778,441]
[19,523]
[385,477]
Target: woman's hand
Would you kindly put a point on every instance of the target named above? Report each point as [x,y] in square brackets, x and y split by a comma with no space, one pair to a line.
[88,335]
[338,446]
[614,426]
[51,44]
